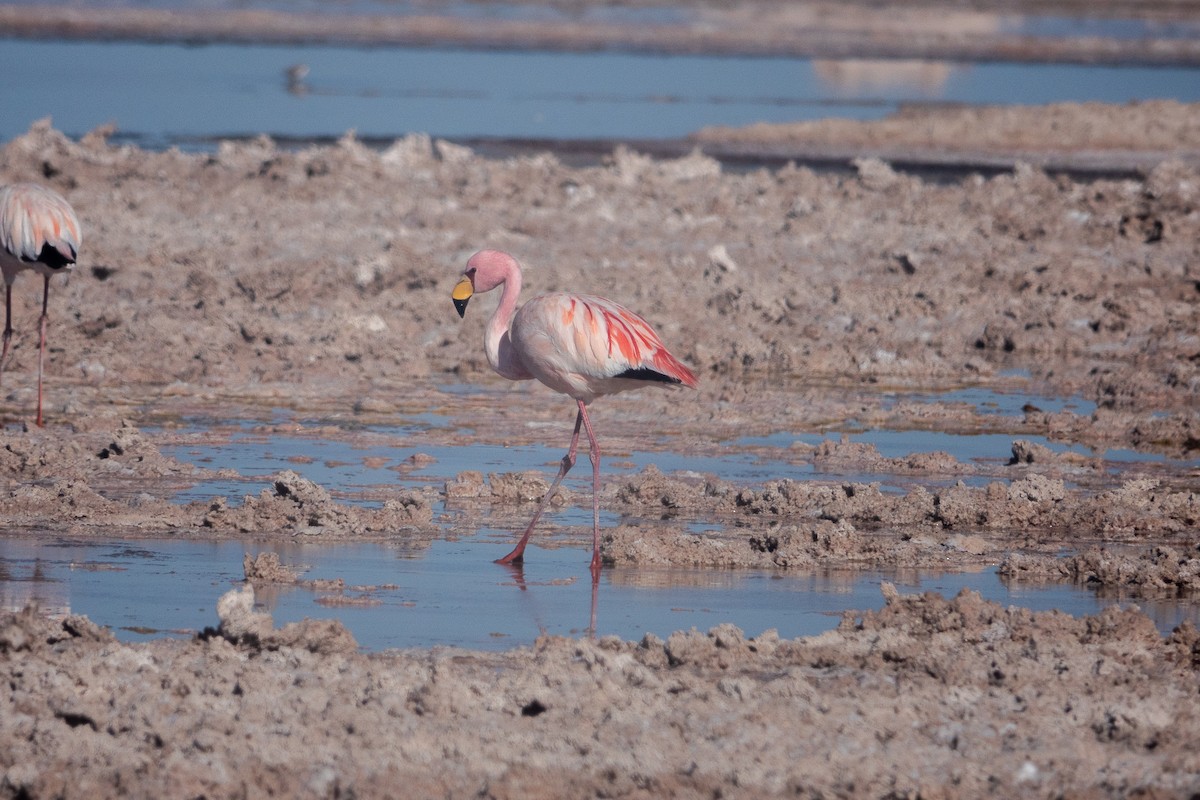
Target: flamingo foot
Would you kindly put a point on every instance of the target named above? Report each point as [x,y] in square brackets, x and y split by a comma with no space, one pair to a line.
[515,557]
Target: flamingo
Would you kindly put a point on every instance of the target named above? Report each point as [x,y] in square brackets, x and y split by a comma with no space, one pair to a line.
[38,231]
[580,345]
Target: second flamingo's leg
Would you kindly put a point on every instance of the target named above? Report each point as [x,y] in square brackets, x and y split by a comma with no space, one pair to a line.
[594,455]
[7,325]
[42,344]
[518,553]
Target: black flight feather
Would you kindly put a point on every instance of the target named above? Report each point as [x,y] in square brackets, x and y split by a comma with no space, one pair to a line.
[52,258]
[646,374]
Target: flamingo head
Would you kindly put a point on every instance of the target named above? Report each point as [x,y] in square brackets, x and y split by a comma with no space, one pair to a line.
[485,270]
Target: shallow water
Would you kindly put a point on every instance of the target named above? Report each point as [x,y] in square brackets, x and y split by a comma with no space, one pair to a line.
[994,401]
[348,468]
[449,592]
[345,468]
[452,595]
[190,95]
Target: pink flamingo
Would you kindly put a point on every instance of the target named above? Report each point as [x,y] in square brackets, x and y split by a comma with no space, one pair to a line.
[38,231]
[580,345]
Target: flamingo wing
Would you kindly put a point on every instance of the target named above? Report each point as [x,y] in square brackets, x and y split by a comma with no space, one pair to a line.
[588,346]
[38,226]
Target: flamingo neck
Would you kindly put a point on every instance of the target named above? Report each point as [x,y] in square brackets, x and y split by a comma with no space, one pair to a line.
[500,352]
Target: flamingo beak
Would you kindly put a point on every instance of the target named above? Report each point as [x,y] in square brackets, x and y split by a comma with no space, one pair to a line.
[461,294]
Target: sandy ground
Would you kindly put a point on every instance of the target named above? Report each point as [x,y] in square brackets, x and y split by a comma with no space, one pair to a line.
[224,286]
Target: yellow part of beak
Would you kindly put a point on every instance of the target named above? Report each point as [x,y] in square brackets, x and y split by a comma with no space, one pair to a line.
[461,294]
[463,290]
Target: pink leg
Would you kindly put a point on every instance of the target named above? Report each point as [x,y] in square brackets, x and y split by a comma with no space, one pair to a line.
[594,454]
[518,553]
[42,345]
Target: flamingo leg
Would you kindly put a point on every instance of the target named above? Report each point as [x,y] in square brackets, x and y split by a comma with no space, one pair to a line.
[594,455]
[42,344]
[7,325]
[518,553]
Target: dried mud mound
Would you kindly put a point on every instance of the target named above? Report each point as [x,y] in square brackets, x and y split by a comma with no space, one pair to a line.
[1022,524]
[298,506]
[928,696]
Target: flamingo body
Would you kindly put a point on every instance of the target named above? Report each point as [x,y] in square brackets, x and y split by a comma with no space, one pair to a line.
[587,347]
[40,232]
[580,345]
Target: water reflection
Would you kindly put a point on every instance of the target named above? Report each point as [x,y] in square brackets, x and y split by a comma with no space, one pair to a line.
[294,76]
[657,578]
[858,77]
[25,581]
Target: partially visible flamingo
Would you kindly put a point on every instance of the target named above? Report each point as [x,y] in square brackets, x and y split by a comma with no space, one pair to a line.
[38,231]
[580,345]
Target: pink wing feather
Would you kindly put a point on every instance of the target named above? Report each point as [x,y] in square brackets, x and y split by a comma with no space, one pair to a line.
[33,217]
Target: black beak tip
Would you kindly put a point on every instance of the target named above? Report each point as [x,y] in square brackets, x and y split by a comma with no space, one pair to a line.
[461,307]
